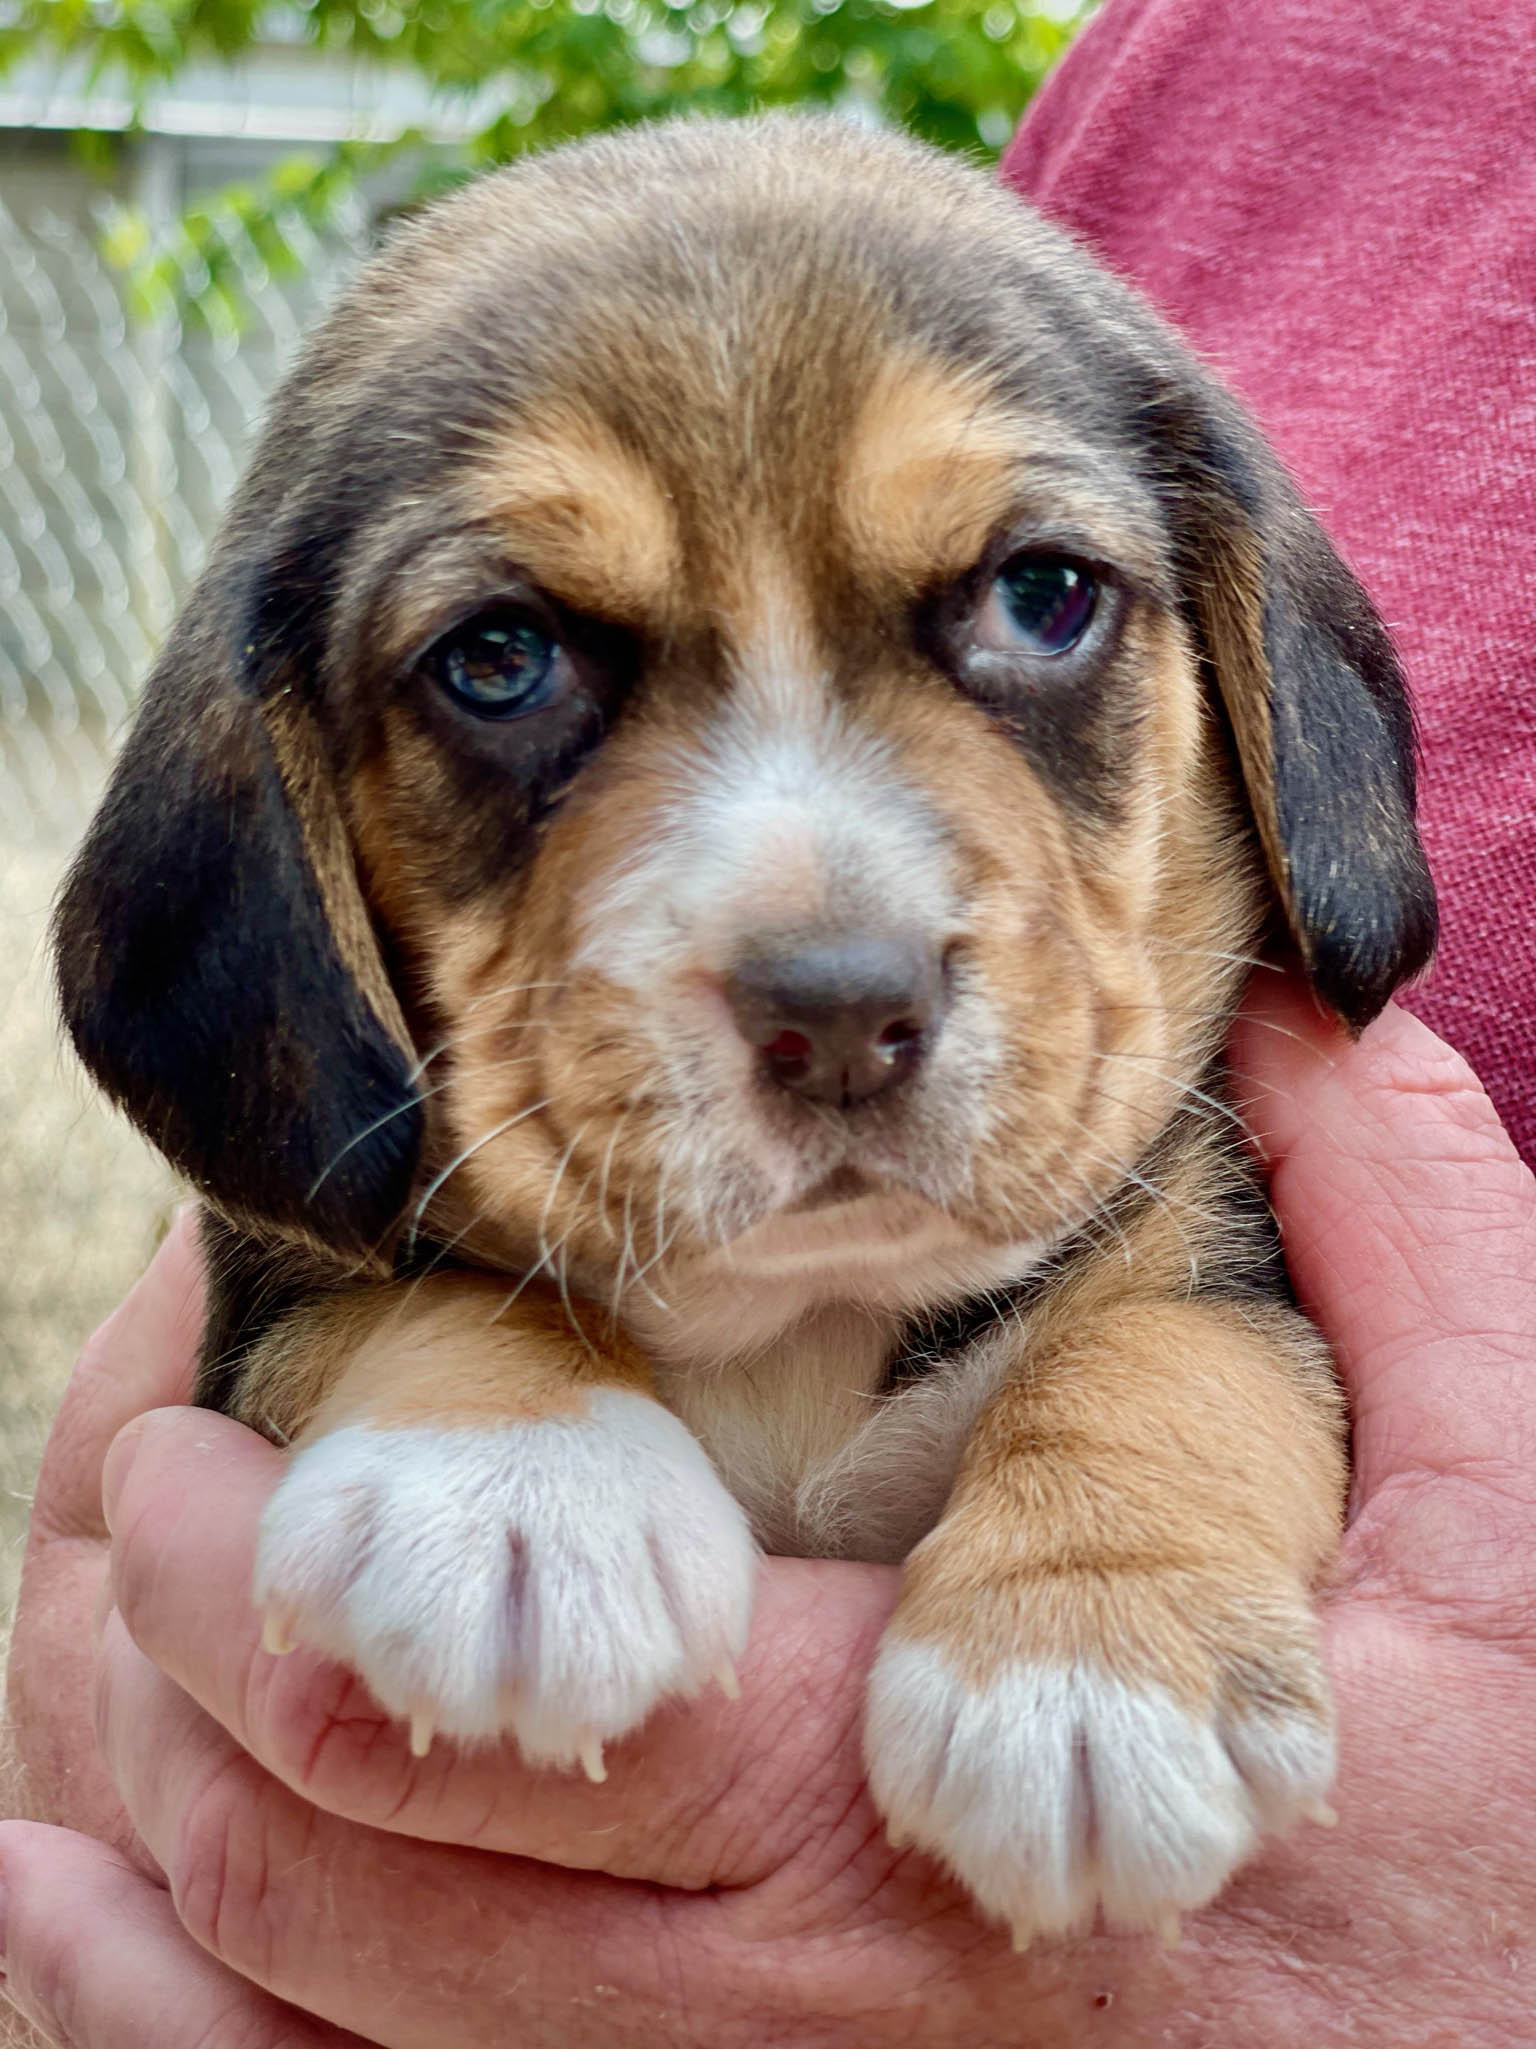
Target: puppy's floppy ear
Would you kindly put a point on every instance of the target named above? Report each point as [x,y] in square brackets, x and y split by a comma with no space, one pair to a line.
[216,964]
[1317,705]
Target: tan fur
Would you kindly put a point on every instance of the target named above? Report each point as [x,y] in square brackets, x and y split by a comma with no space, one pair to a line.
[934,469]
[591,523]
[1117,1502]
[312,793]
[1104,952]
[929,474]
[805,395]
[1234,598]
[450,1352]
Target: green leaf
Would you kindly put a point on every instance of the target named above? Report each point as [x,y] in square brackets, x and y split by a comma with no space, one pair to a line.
[957,72]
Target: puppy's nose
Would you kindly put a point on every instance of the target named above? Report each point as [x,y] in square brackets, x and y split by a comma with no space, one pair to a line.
[841,1020]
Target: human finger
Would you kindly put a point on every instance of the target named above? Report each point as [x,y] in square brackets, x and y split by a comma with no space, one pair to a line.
[96,1958]
[144,1353]
[697,1797]
[411,1944]
[1410,1229]
[143,1356]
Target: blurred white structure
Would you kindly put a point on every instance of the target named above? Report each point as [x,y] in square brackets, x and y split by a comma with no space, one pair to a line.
[120,440]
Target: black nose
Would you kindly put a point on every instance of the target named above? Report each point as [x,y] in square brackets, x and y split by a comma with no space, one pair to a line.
[841,1020]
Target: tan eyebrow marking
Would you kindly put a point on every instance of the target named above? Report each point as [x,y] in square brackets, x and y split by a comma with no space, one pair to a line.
[586,517]
[928,471]
[935,465]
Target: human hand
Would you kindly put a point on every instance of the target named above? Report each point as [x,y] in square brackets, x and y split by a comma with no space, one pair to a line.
[730,1882]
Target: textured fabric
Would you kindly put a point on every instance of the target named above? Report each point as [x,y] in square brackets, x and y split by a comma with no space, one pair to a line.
[1335,200]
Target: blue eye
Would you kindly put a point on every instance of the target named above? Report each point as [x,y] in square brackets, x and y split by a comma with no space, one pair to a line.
[1045,602]
[501,665]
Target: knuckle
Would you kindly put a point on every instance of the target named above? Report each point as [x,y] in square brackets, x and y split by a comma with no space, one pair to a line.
[248,2025]
[220,1871]
[138,1562]
[1423,1066]
[45,1983]
[324,1735]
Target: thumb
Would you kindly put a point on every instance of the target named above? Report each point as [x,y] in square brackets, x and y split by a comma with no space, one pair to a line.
[143,1357]
[1410,1230]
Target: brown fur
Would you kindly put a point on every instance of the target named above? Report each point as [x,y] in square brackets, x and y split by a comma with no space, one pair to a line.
[451,1351]
[588,518]
[752,419]
[1118,1501]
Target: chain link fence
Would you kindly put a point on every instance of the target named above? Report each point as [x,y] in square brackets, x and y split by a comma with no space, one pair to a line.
[120,440]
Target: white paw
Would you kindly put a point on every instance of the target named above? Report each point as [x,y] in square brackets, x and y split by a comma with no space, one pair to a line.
[1057,1790]
[556,1578]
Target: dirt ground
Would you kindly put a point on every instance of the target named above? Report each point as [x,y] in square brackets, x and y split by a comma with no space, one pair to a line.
[83,1199]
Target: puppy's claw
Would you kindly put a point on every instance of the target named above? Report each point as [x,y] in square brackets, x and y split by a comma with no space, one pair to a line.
[423,1728]
[275,1640]
[726,1680]
[591,1754]
[1320,1812]
[1168,1931]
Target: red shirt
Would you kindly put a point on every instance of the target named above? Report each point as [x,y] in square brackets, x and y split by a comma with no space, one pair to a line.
[1335,200]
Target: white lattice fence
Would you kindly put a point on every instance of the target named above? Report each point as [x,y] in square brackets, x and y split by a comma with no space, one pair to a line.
[120,440]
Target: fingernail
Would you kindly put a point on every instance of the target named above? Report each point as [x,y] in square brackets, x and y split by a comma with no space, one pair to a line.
[117,1465]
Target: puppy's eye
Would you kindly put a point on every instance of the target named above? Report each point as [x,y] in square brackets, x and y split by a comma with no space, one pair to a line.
[501,665]
[1039,603]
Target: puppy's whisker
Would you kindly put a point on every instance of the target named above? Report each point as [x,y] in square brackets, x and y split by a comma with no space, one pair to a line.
[469,1033]
[443,1249]
[563,1277]
[509,989]
[1268,1024]
[1202,1011]
[1185,1088]
[1101,1210]
[426,1060]
[368,1130]
[453,1166]
[627,1251]
[546,1251]
[554,1186]
[662,1245]
[637,1278]
[661,1213]
[602,1179]
[1241,960]
[1168,1203]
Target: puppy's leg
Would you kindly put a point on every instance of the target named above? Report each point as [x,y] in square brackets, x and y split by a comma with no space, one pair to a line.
[1102,1682]
[496,1527]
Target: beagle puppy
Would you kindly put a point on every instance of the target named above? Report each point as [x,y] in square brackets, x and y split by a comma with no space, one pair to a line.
[678,889]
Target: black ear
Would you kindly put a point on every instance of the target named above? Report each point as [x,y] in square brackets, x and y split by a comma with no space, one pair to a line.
[1316,702]
[216,965]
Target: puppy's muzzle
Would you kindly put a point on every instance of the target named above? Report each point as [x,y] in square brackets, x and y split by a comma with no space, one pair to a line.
[842,1019]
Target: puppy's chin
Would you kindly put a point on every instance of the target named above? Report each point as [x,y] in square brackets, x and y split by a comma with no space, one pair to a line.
[860,1233]
[840,1189]
[845,1246]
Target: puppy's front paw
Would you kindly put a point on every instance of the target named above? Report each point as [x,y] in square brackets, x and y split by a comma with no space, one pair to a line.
[556,1578]
[1055,1785]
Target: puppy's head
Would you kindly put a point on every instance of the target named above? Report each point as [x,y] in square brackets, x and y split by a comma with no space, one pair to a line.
[749,709]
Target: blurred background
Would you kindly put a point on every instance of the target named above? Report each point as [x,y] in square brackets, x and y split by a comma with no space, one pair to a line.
[184,184]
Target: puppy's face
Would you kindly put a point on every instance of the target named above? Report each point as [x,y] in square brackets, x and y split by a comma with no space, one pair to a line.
[814,835]
[783,681]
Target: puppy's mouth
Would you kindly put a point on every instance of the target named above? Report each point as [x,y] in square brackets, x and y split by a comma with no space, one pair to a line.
[843,1184]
